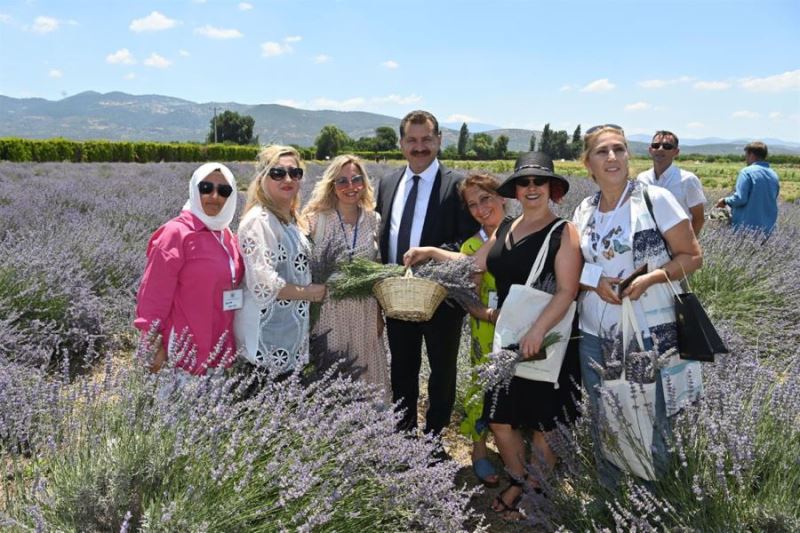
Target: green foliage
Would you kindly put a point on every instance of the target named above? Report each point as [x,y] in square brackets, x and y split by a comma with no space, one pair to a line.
[532,145]
[331,141]
[232,127]
[576,146]
[463,140]
[500,148]
[385,139]
[356,278]
[483,143]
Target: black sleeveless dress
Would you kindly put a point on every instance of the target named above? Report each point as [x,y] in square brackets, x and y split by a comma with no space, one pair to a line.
[532,404]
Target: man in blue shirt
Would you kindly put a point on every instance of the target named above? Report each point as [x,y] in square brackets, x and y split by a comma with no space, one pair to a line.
[754,204]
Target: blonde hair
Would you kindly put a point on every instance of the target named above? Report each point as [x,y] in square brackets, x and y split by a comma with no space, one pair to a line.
[257,194]
[590,141]
[323,197]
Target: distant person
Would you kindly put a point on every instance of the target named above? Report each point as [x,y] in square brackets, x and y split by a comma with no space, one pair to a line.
[685,186]
[273,326]
[189,290]
[341,216]
[754,204]
[420,205]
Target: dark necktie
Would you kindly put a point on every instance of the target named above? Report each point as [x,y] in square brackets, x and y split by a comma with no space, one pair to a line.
[404,233]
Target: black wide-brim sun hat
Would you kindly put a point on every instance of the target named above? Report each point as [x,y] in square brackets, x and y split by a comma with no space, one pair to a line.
[530,164]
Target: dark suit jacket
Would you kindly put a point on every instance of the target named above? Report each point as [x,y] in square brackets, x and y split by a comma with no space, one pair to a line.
[447,221]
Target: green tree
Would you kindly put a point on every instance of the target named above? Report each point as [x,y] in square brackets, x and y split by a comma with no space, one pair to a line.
[532,145]
[231,127]
[463,139]
[385,138]
[500,147]
[560,147]
[330,141]
[483,144]
[577,143]
[450,152]
[546,141]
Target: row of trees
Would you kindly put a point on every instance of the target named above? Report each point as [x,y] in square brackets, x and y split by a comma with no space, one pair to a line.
[231,127]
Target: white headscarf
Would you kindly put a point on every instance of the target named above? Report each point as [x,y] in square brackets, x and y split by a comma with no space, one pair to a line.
[225,216]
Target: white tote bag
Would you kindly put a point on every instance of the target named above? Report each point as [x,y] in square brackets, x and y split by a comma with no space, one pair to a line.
[628,411]
[521,308]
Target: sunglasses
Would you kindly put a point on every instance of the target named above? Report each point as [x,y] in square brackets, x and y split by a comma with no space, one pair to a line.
[666,146]
[536,180]
[279,173]
[223,189]
[343,182]
[601,126]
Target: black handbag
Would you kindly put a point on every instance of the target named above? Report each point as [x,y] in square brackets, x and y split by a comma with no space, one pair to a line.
[698,339]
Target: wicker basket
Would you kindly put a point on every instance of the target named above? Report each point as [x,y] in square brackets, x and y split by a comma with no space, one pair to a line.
[409,298]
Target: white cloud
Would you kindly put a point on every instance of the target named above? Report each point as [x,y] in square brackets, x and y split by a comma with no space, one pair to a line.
[776,115]
[155,21]
[129,76]
[396,99]
[5,19]
[289,103]
[322,58]
[597,86]
[245,6]
[461,118]
[660,84]
[712,85]
[55,73]
[746,114]
[218,33]
[293,39]
[695,125]
[272,49]
[157,61]
[45,24]
[772,84]
[123,56]
[391,65]
[184,53]
[567,87]
[638,106]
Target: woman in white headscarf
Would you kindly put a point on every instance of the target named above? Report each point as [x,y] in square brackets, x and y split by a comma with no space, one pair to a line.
[189,290]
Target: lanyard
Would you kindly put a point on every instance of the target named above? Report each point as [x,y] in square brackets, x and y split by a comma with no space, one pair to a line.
[483,235]
[355,231]
[231,262]
[602,231]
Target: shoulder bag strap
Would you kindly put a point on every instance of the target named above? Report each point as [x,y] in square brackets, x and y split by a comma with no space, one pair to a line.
[538,264]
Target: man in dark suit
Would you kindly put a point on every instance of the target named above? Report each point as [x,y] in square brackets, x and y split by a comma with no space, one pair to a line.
[420,206]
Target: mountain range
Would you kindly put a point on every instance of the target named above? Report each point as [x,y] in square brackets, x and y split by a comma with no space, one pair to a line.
[122,116]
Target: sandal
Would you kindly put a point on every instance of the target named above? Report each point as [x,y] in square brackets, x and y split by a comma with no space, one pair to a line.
[484,469]
[510,512]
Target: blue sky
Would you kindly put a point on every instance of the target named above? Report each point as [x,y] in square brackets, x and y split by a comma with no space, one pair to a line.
[728,69]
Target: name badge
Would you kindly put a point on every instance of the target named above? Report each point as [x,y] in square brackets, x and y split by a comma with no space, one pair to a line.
[232,300]
[492,299]
[591,274]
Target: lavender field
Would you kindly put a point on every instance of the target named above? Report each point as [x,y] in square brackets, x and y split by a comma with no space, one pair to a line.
[86,444]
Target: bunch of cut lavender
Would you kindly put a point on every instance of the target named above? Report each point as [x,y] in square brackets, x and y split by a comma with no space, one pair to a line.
[355,279]
[497,372]
[324,262]
[455,276]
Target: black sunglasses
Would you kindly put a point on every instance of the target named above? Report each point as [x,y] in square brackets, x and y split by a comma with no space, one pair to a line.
[343,182]
[666,146]
[601,126]
[536,180]
[278,173]
[207,187]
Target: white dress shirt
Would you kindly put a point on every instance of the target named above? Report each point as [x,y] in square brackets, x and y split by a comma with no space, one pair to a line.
[424,188]
[685,186]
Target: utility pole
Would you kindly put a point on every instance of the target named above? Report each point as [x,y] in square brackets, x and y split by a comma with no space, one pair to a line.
[215,125]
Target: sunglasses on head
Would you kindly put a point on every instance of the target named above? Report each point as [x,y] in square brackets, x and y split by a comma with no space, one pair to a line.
[342,182]
[278,173]
[207,187]
[536,180]
[666,146]
[601,126]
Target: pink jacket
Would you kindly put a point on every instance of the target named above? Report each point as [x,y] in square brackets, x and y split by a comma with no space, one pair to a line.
[187,271]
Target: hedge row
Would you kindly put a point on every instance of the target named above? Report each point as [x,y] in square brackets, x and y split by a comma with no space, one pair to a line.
[40,150]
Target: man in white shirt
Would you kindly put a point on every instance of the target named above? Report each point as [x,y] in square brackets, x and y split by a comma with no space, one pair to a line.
[419,205]
[685,186]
